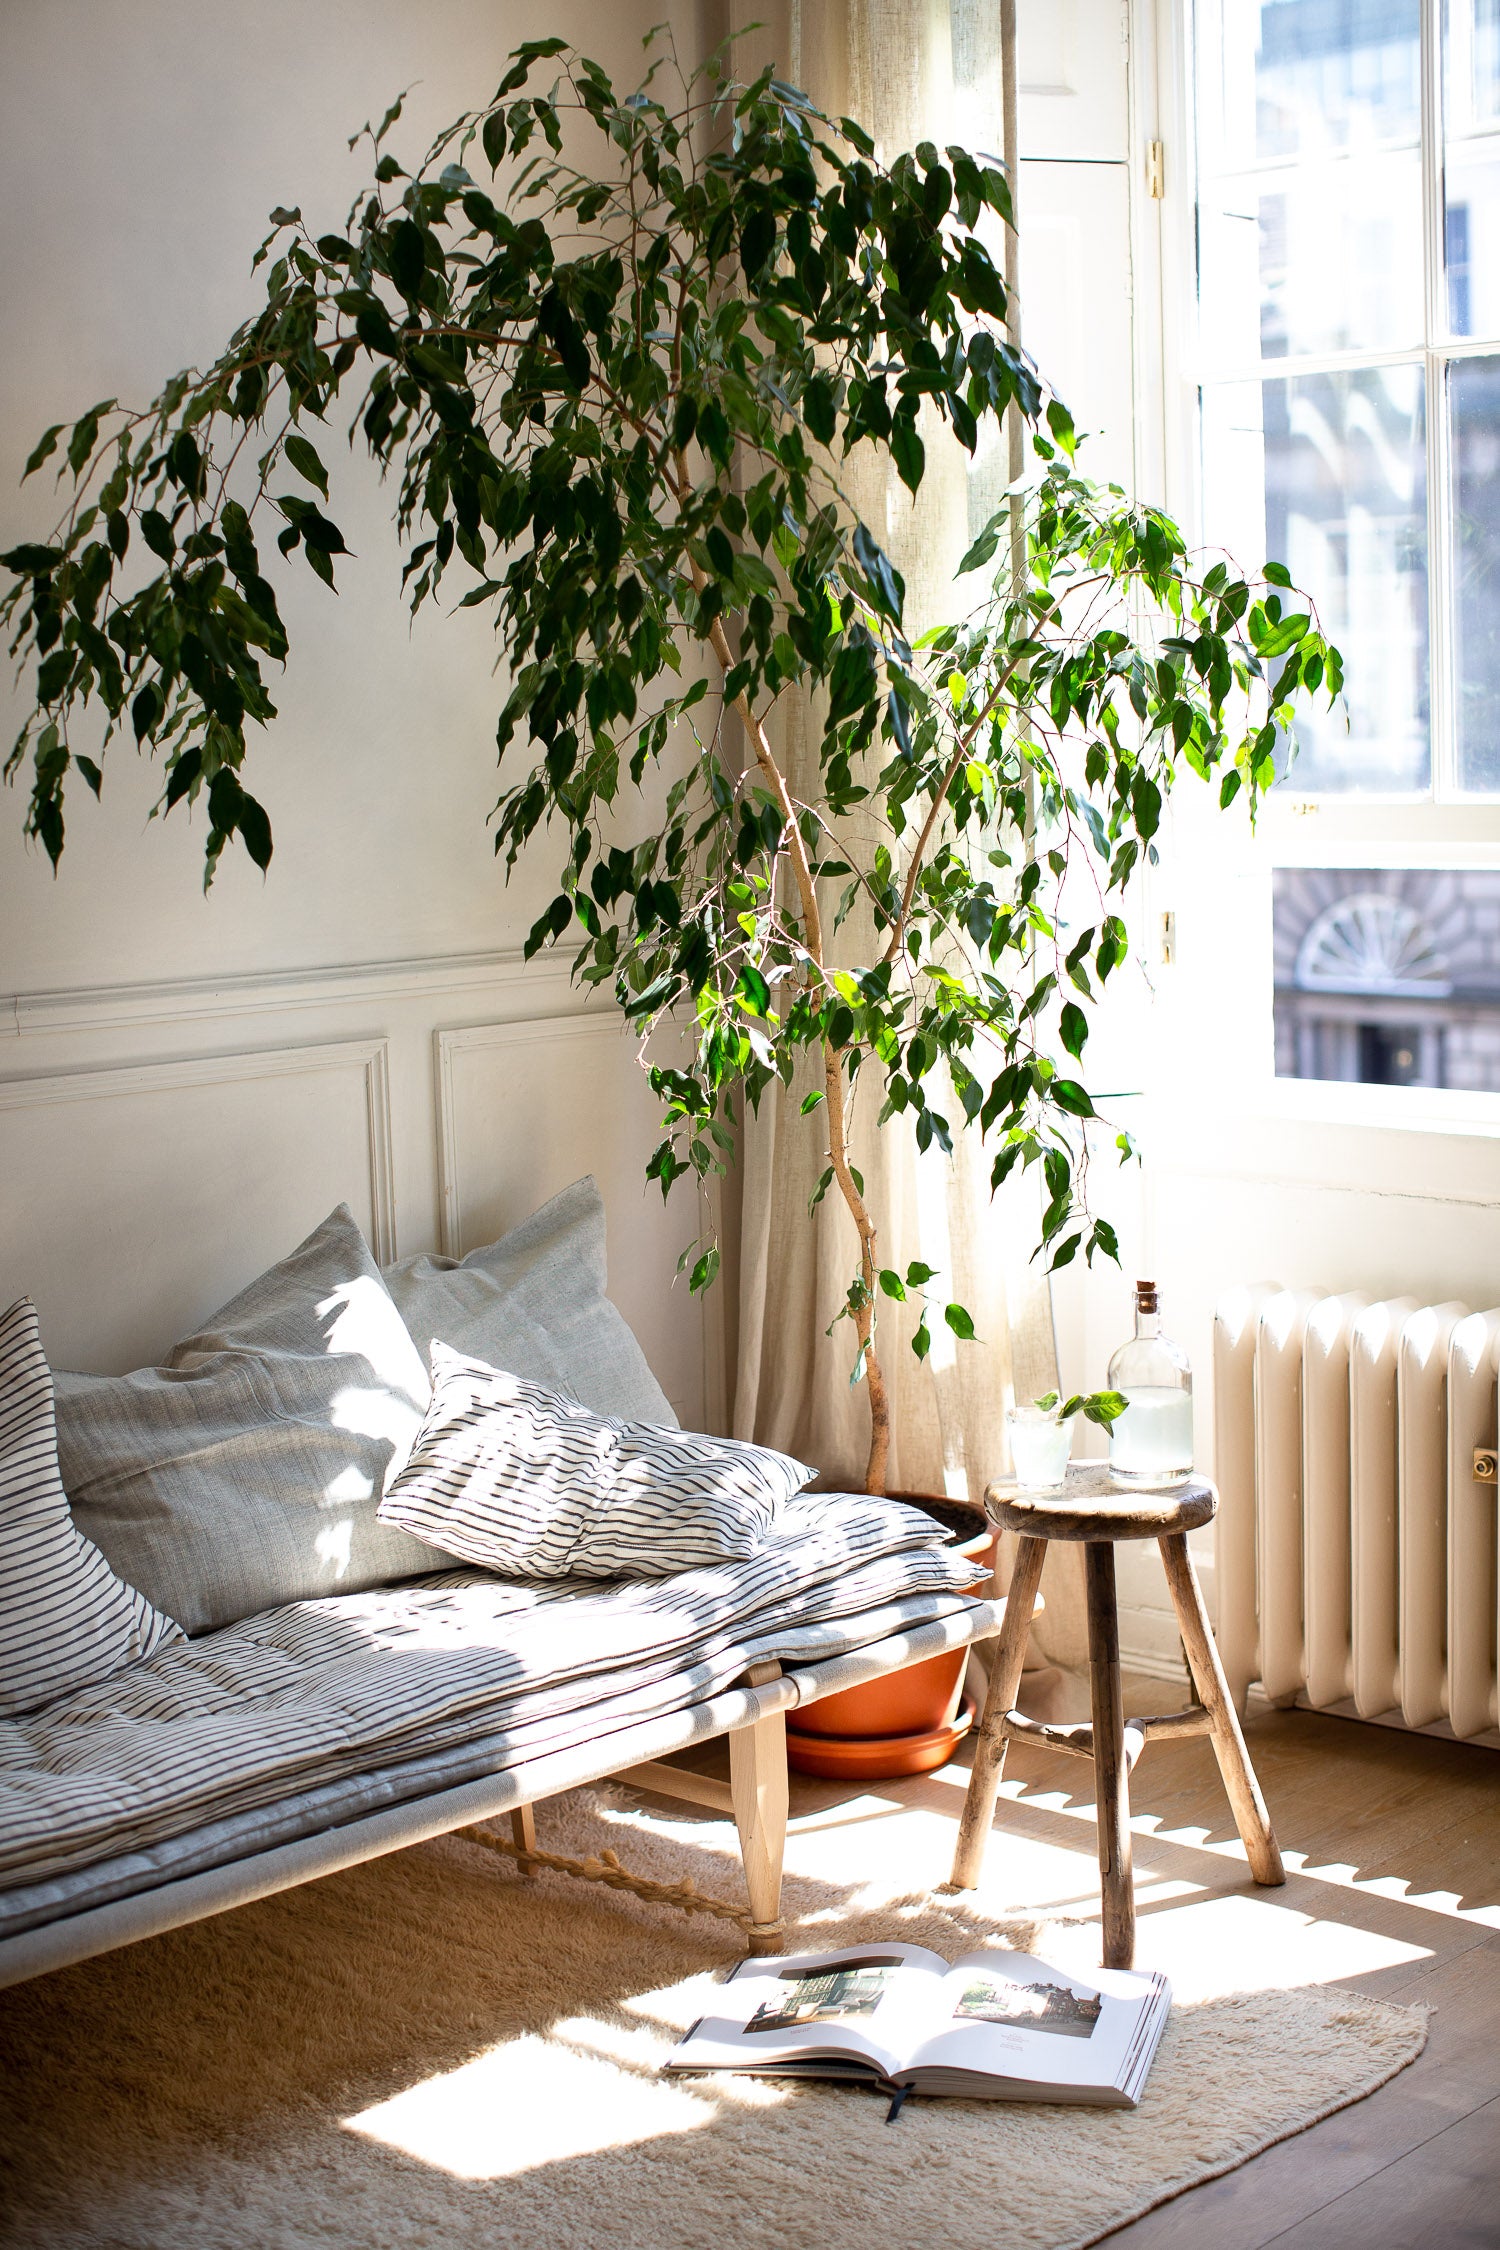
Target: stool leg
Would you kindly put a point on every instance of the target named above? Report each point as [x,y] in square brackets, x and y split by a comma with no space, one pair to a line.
[989,1747]
[1243,1790]
[1111,1774]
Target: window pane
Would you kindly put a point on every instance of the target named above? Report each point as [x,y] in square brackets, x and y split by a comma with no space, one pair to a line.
[1333,74]
[1474,393]
[1327,473]
[1388,975]
[1472,165]
[1311,210]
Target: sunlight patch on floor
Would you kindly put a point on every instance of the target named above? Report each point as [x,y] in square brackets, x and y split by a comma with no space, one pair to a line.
[1339,1874]
[1214,1946]
[530,2103]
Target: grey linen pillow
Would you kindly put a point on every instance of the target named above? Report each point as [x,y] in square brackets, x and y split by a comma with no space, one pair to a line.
[66,1621]
[534,1303]
[532,1485]
[246,1471]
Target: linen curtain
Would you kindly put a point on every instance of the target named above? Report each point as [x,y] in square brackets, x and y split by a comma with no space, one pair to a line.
[908,70]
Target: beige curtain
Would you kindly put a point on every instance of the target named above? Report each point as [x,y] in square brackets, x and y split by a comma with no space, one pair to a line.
[908,70]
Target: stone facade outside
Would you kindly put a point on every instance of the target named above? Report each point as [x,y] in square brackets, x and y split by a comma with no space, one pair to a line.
[1388,975]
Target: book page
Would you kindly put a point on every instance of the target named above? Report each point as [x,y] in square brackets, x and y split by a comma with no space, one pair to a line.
[1012,2016]
[868,2002]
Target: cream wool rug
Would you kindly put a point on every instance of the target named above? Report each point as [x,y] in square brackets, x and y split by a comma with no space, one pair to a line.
[430,2051]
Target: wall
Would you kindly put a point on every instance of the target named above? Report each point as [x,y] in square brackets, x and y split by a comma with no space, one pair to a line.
[187,1083]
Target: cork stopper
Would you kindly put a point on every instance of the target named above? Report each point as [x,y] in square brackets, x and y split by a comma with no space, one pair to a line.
[1145,1296]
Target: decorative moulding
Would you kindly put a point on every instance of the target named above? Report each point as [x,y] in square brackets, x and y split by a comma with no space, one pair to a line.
[368,1056]
[107,1007]
[449,1048]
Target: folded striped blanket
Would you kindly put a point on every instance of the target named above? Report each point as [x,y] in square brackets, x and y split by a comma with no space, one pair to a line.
[315,1711]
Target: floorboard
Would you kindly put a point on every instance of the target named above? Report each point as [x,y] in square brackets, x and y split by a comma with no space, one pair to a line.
[1392,1844]
[1389,1838]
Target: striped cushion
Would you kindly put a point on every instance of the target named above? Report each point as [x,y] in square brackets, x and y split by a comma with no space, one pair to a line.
[285,1724]
[65,1619]
[533,1485]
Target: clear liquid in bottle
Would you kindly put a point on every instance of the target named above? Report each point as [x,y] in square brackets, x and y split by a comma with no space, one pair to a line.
[1151,1443]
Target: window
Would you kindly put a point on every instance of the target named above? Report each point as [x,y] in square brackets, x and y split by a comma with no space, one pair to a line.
[1388,976]
[1348,252]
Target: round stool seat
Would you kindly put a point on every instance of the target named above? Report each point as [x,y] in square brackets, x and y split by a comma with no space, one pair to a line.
[1094,1505]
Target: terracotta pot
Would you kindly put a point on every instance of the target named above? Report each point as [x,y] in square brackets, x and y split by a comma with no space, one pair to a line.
[907,1721]
[878,1757]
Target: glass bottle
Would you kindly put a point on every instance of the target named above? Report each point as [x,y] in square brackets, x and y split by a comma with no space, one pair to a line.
[1151,1443]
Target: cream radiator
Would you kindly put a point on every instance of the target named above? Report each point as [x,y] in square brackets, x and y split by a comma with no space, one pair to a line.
[1356,1544]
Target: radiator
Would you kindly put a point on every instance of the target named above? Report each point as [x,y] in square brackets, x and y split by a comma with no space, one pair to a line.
[1356,1546]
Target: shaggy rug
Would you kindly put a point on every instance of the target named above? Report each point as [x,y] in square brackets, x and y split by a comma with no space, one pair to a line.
[433,2051]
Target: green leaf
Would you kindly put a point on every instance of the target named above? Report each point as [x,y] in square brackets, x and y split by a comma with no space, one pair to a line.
[752,991]
[757,239]
[158,534]
[892,1284]
[908,452]
[85,435]
[921,1342]
[408,257]
[31,561]
[522,58]
[305,461]
[1075,1027]
[818,409]
[52,675]
[145,710]
[960,1321]
[255,831]
[918,1275]
[1070,1097]
[44,448]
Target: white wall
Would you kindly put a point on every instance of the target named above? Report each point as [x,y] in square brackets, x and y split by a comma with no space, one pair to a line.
[150,1163]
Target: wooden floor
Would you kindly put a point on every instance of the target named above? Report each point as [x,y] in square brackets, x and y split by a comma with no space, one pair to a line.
[1395,1839]
[1392,1844]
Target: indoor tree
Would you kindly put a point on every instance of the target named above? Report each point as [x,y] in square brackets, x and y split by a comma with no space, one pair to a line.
[615,353]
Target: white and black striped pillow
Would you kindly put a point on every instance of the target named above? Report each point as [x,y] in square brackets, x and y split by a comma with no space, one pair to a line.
[533,1485]
[65,1619]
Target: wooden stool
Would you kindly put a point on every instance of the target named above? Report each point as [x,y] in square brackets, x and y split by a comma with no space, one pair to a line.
[1093,1508]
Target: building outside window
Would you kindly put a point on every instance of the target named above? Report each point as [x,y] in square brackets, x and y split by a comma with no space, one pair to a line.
[1348,248]
[1390,976]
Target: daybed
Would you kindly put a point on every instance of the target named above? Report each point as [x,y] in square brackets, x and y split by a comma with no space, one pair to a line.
[275,1741]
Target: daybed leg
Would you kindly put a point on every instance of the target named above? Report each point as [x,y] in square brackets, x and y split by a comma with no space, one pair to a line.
[758,1790]
[523,1833]
[990,1743]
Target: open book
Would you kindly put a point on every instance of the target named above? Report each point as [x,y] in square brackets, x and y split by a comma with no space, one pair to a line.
[1002,2026]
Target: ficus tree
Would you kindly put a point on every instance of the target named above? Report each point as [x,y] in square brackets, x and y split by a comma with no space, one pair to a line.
[615,354]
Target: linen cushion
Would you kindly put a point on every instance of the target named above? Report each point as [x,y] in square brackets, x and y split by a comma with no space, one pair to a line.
[532,1485]
[534,1303]
[66,1621]
[289,1723]
[247,1469]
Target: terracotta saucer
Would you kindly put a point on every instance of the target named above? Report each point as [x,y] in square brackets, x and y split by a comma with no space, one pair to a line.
[881,1757]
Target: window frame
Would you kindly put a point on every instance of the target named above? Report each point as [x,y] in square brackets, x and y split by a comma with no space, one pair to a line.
[1375,816]
[1203,867]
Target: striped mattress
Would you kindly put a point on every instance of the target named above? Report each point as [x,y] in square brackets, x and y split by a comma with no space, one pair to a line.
[305,1717]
